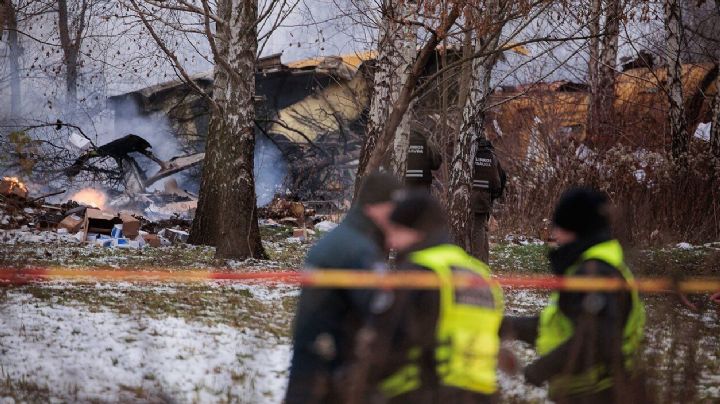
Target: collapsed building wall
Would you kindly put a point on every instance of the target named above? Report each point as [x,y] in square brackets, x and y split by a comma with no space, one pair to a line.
[310,110]
[528,120]
[313,111]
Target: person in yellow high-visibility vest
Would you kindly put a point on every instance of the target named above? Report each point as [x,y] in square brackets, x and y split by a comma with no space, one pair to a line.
[437,345]
[587,341]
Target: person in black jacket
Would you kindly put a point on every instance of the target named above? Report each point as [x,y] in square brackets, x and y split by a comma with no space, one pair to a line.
[422,159]
[410,318]
[586,340]
[327,320]
[488,185]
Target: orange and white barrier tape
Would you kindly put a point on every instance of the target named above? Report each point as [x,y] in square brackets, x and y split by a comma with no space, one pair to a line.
[351,279]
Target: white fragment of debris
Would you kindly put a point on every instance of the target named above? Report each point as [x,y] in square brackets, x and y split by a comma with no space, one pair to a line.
[29,211]
[684,246]
[268,223]
[294,240]
[175,236]
[522,240]
[27,236]
[703,131]
[79,141]
[325,226]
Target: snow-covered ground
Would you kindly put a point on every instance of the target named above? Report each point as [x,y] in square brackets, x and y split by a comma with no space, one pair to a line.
[80,353]
[225,342]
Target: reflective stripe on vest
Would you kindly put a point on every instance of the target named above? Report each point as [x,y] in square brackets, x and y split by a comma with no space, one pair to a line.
[554,327]
[467,329]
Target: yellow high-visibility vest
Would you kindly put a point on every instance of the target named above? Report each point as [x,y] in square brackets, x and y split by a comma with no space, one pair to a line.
[554,328]
[467,329]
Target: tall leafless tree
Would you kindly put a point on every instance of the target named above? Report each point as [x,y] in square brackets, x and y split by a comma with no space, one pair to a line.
[715,127]
[71,28]
[676,117]
[602,67]
[407,53]
[395,54]
[10,22]
[226,216]
[472,130]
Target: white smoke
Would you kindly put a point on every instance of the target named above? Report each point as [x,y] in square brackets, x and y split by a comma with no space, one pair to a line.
[270,170]
[155,128]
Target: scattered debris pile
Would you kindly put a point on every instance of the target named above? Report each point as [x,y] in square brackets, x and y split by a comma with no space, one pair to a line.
[32,220]
[95,221]
[296,214]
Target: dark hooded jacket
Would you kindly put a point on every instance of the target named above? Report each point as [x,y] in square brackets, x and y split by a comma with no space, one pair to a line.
[328,319]
[598,318]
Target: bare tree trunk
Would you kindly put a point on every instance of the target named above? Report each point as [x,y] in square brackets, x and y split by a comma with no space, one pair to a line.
[601,70]
[407,53]
[383,84]
[715,128]
[465,70]
[677,121]
[606,72]
[70,42]
[227,212]
[14,58]
[471,131]
[405,97]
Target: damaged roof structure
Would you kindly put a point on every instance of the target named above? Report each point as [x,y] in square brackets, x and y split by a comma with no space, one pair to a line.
[527,118]
[311,110]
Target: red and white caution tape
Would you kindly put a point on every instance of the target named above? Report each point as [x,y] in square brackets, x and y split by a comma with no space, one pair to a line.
[351,279]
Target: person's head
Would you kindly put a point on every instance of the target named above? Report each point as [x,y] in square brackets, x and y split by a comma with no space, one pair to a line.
[375,198]
[417,218]
[580,212]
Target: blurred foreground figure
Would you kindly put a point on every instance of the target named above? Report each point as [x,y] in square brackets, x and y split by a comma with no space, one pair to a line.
[438,345]
[587,341]
[488,185]
[328,319]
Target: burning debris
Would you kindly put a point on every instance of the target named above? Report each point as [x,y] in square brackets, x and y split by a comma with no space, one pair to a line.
[90,197]
[85,218]
[12,187]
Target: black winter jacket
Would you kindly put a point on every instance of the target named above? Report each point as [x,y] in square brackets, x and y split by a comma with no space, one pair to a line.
[598,318]
[328,319]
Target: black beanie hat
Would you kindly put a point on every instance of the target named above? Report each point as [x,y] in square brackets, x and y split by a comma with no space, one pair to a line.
[377,188]
[418,210]
[583,211]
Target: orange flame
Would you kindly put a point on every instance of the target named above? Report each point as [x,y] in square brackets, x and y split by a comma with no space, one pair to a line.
[91,197]
[13,185]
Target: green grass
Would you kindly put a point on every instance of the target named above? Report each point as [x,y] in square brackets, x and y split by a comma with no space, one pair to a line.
[207,304]
[514,258]
[179,257]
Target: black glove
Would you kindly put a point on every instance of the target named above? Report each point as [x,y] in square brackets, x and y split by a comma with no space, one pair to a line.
[533,375]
